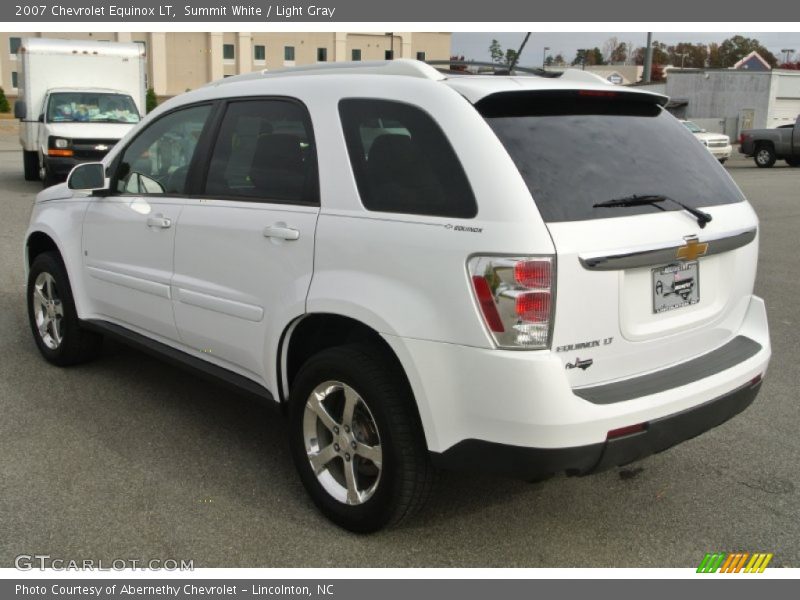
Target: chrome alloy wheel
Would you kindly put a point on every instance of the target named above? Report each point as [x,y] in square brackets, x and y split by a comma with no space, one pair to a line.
[342,442]
[48,310]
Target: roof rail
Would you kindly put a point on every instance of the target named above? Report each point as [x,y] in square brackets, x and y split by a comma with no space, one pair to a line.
[402,66]
[462,67]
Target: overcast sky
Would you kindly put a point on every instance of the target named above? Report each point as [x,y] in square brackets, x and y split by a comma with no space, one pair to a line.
[475,46]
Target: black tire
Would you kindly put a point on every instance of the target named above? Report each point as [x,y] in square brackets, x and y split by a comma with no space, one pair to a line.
[30,161]
[764,157]
[406,475]
[793,162]
[722,161]
[76,345]
[49,179]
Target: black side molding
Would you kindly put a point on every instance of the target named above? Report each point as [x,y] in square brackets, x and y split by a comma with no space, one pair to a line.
[169,354]
[738,350]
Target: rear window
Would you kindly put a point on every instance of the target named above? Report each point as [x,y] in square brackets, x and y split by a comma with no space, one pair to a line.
[576,150]
[402,160]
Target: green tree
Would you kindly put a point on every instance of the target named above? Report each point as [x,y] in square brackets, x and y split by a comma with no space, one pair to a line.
[588,57]
[511,56]
[496,52]
[4,105]
[660,54]
[691,56]
[736,48]
[151,101]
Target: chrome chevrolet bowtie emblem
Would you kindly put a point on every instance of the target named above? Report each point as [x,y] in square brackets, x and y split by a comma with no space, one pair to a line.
[692,249]
[101,147]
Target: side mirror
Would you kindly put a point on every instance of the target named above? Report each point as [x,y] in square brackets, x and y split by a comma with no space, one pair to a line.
[41,118]
[19,110]
[88,177]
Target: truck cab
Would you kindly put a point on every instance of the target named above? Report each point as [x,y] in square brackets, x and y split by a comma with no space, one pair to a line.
[78,125]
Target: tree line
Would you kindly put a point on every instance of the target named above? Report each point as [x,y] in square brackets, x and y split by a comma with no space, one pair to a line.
[684,54]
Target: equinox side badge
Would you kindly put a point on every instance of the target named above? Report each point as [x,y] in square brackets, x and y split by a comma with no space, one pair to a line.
[580,364]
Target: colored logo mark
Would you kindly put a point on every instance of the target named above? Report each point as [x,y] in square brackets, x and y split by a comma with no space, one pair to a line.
[735,562]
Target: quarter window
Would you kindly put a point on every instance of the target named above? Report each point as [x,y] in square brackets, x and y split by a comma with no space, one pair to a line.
[402,161]
[264,151]
[158,160]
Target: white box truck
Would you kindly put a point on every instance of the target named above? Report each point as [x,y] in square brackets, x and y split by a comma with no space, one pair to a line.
[76,100]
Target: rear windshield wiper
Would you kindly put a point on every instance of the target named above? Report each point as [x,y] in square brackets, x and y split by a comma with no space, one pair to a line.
[702,217]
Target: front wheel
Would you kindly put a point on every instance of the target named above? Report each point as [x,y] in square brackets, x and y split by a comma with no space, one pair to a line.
[764,157]
[53,319]
[356,439]
[30,161]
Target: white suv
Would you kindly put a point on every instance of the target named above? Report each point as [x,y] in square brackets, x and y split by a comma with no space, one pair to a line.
[528,275]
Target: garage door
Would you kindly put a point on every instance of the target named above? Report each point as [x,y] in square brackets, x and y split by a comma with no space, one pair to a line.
[784,111]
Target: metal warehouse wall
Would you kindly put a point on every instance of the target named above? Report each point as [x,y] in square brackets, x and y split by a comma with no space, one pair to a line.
[722,94]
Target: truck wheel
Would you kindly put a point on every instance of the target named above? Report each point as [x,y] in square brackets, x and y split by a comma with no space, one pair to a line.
[356,439]
[30,161]
[793,162]
[52,315]
[49,179]
[764,157]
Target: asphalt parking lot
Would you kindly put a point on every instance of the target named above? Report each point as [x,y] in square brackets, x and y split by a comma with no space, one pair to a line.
[130,458]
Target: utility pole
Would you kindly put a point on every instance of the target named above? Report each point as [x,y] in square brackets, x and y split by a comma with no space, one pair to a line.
[683,56]
[515,60]
[648,59]
[544,55]
[788,52]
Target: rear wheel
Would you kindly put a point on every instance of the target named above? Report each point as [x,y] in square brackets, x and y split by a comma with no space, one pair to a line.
[53,319]
[764,157]
[30,162]
[356,439]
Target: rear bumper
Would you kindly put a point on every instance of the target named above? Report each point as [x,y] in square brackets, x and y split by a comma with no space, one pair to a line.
[658,435]
[493,408]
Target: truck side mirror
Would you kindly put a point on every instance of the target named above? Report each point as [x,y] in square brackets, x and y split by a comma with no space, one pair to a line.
[41,118]
[88,177]
[19,110]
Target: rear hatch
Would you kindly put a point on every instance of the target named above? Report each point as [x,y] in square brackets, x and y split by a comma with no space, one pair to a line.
[646,281]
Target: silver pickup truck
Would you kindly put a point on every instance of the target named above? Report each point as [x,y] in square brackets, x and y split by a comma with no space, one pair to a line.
[768,145]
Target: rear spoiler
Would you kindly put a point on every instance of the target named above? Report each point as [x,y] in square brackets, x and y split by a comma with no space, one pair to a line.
[544,102]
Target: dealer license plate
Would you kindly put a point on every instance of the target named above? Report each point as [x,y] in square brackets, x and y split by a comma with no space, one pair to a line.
[676,286]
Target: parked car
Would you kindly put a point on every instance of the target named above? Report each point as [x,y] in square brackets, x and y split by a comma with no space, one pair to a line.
[423,271]
[63,124]
[769,145]
[718,144]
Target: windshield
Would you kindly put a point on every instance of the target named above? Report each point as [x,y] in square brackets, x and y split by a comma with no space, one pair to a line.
[692,127]
[575,150]
[91,107]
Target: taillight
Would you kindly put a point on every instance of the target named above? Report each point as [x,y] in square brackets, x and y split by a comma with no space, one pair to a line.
[514,295]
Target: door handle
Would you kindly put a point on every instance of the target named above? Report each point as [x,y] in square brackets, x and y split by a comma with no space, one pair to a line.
[159,221]
[281,232]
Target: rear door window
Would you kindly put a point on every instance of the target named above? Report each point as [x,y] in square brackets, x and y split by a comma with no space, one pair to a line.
[264,151]
[402,161]
[577,149]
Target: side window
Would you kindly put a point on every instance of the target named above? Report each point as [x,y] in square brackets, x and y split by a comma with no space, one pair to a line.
[157,161]
[402,160]
[264,150]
